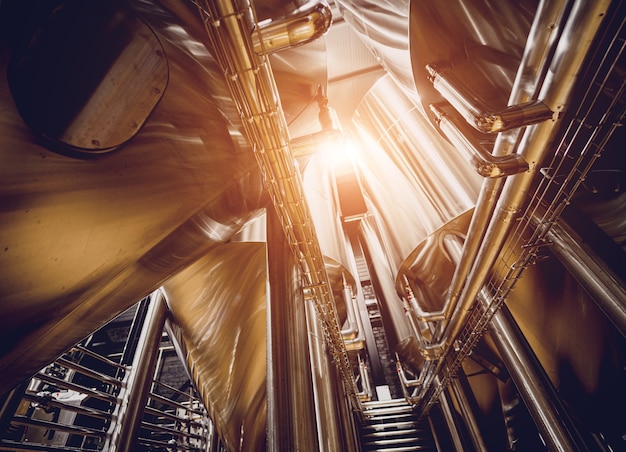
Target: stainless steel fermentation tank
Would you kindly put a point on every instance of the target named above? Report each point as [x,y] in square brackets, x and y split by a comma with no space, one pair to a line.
[128,162]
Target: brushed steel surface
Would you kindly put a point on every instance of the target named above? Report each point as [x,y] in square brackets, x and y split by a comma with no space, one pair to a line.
[82,240]
[223,329]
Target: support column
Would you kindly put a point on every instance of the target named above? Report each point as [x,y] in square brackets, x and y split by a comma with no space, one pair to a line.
[129,413]
[290,407]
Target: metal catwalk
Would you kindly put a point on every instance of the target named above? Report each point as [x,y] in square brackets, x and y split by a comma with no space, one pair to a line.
[287,225]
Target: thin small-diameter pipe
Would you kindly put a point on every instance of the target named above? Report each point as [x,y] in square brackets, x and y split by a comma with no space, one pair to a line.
[129,411]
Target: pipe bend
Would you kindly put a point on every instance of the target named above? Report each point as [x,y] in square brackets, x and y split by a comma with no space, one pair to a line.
[484,163]
[476,112]
[305,25]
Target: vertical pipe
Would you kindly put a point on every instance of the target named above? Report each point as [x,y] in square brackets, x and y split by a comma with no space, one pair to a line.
[461,388]
[534,386]
[324,389]
[290,407]
[448,414]
[591,271]
[132,399]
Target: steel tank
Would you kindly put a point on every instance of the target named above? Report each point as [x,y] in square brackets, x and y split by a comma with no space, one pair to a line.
[221,327]
[431,184]
[85,236]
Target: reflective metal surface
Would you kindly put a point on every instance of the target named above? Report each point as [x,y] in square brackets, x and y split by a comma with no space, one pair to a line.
[242,122]
[82,240]
[222,327]
[432,184]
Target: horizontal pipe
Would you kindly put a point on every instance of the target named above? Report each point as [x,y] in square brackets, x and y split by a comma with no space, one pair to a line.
[60,383]
[165,400]
[483,162]
[172,417]
[89,372]
[86,351]
[15,446]
[305,25]
[172,431]
[477,114]
[79,409]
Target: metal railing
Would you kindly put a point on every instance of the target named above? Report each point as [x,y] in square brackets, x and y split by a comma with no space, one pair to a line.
[73,404]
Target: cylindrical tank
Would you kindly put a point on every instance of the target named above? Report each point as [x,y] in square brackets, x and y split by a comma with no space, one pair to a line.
[223,333]
[84,238]
[413,180]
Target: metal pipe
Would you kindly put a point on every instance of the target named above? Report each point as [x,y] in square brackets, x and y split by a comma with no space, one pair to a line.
[460,389]
[533,384]
[485,242]
[306,24]
[483,162]
[100,358]
[366,393]
[352,329]
[324,388]
[451,422]
[61,383]
[123,433]
[477,114]
[582,25]
[290,400]
[89,372]
[604,286]
[80,409]
[250,79]
[542,38]
[74,429]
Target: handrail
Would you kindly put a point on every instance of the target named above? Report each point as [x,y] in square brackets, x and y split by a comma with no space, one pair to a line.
[251,82]
[80,409]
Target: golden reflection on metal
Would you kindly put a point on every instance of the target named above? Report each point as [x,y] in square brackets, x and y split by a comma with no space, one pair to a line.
[302,26]
[432,183]
[495,214]
[83,240]
[223,330]
[253,88]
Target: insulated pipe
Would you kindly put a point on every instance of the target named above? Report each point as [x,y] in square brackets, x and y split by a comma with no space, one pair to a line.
[533,384]
[129,411]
